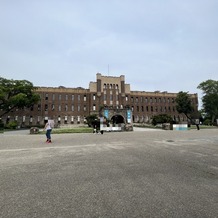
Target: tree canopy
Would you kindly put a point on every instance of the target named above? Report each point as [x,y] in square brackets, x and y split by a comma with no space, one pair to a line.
[16,94]
[210,98]
[184,105]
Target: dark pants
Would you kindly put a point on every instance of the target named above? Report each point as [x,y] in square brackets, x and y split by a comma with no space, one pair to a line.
[48,134]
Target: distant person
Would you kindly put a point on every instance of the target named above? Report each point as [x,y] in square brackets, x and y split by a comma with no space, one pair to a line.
[197,123]
[48,130]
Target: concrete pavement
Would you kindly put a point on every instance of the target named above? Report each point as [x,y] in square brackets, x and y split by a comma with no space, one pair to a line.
[127,174]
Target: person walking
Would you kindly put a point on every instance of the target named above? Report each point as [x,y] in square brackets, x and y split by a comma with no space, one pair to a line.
[48,130]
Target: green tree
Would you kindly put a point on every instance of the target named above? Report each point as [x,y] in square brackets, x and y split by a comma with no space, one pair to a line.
[210,98]
[16,94]
[91,119]
[184,104]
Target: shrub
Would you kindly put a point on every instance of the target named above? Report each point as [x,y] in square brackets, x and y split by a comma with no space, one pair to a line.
[207,122]
[11,125]
[161,118]
[1,125]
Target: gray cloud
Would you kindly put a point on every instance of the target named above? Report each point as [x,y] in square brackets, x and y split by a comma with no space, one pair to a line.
[159,45]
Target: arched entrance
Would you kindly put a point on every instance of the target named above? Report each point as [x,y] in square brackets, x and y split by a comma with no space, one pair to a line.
[117,119]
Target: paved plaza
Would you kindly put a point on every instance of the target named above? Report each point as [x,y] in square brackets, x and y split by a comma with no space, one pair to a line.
[117,174]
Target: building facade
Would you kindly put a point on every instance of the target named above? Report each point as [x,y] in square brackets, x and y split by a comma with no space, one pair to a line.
[109,95]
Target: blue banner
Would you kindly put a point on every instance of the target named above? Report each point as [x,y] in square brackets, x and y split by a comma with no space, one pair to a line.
[106,113]
[129,116]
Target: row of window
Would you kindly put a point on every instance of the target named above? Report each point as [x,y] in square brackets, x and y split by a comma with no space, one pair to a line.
[141,99]
[151,99]
[78,108]
[154,109]
[110,86]
[30,118]
[61,107]
[66,97]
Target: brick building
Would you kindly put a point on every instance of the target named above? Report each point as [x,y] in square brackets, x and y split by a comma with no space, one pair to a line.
[110,95]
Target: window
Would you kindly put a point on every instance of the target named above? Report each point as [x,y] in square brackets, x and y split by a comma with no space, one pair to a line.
[132,99]
[78,97]
[59,107]
[78,107]
[59,97]
[94,107]
[53,97]
[46,96]
[39,107]
[84,108]
[72,97]
[84,98]
[127,98]
[66,97]
[72,107]
[52,107]
[94,97]
[65,119]
[66,107]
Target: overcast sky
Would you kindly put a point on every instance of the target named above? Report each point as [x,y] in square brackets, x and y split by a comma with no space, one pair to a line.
[166,45]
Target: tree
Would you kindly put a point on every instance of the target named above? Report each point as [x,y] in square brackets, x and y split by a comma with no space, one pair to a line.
[16,94]
[184,104]
[91,119]
[210,98]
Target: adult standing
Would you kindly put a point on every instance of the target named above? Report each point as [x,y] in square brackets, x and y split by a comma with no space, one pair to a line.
[48,130]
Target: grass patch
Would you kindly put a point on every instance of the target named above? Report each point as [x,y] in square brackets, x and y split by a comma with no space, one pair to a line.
[71,130]
[203,127]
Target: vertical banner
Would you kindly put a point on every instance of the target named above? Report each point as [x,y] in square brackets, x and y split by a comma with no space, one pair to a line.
[106,114]
[129,116]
